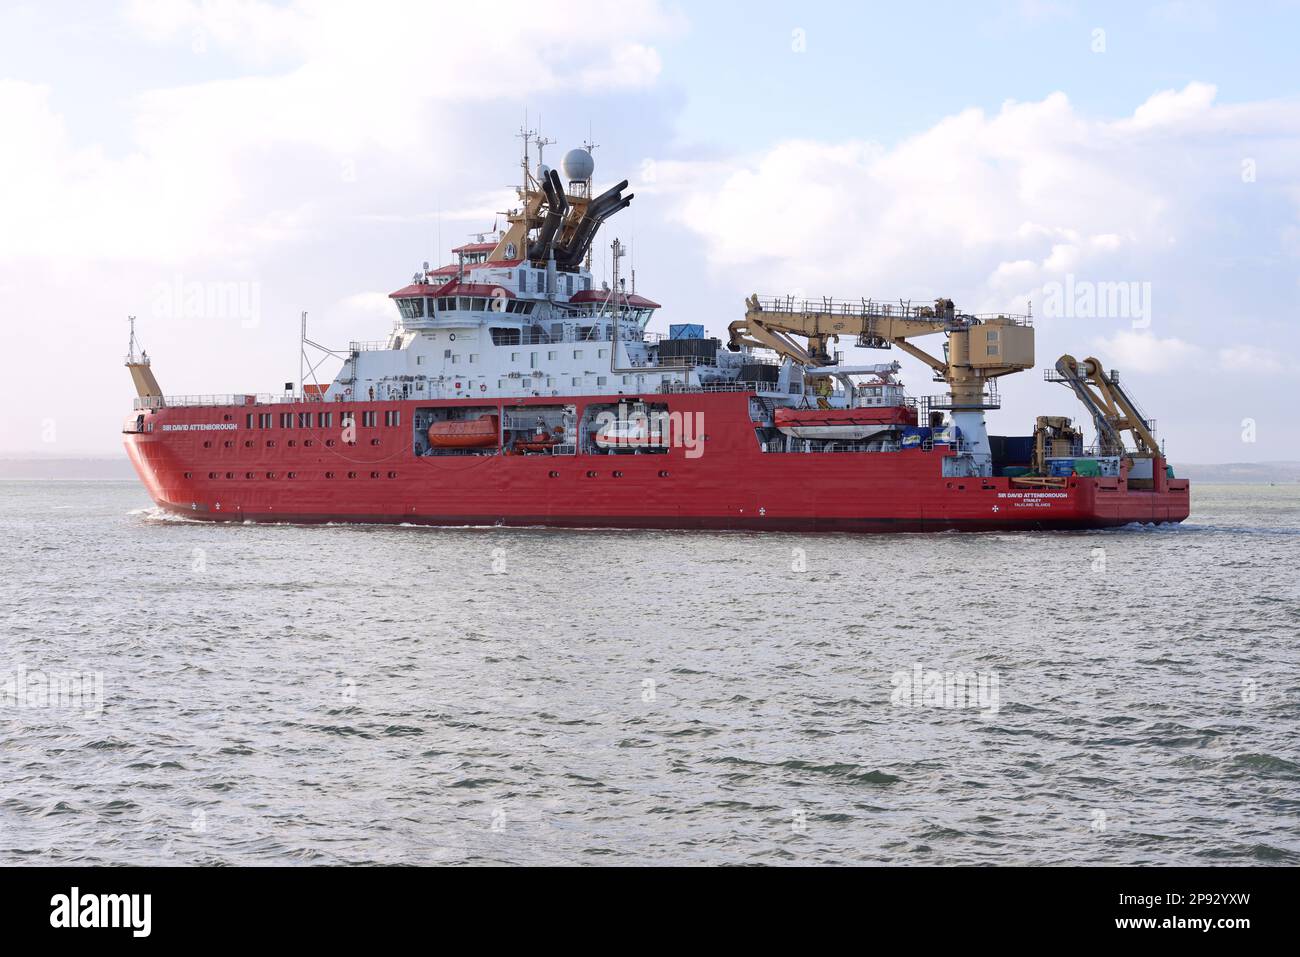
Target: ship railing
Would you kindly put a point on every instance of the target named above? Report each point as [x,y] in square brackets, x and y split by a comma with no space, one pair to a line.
[729,386]
[877,309]
[943,401]
[175,401]
[374,345]
[810,446]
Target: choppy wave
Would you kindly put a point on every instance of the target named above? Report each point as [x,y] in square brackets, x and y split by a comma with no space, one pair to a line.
[388,695]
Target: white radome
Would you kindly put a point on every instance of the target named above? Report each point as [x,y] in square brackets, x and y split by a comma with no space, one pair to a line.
[577,165]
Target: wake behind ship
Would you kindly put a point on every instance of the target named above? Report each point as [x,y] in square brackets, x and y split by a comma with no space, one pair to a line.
[513,391]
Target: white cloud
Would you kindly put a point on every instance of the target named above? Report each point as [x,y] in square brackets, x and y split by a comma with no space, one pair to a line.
[987,208]
[1170,107]
[1249,359]
[344,91]
[1141,351]
[370,305]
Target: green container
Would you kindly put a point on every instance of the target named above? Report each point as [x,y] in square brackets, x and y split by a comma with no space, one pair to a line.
[1169,472]
[1087,468]
[1015,471]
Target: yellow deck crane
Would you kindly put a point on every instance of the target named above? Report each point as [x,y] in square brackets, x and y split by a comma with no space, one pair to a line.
[1113,411]
[979,348]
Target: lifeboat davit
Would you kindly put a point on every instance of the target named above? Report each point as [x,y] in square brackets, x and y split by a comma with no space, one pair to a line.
[465,433]
[843,424]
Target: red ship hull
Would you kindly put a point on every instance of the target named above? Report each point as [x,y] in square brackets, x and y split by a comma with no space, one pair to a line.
[204,463]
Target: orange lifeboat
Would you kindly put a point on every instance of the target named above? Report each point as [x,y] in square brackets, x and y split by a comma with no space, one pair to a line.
[465,433]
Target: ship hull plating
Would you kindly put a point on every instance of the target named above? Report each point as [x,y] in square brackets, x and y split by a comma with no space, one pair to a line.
[204,463]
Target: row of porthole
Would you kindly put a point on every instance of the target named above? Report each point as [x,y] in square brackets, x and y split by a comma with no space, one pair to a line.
[288,475]
[663,473]
[307,443]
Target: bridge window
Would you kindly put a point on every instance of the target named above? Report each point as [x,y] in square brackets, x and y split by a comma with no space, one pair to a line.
[411,308]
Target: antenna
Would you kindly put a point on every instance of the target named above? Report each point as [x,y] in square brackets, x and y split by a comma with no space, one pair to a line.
[132,359]
[541,142]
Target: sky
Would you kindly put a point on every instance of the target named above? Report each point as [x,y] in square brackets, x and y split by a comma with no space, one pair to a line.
[1130,172]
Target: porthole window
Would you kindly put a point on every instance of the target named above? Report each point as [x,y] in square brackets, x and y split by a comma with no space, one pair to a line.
[591,475]
[392,475]
[663,473]
[554,474]
[329,475]
[248,475]
[374,475]
[618,474]
[352,475]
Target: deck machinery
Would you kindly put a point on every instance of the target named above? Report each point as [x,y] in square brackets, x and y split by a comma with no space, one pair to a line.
[978,350]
